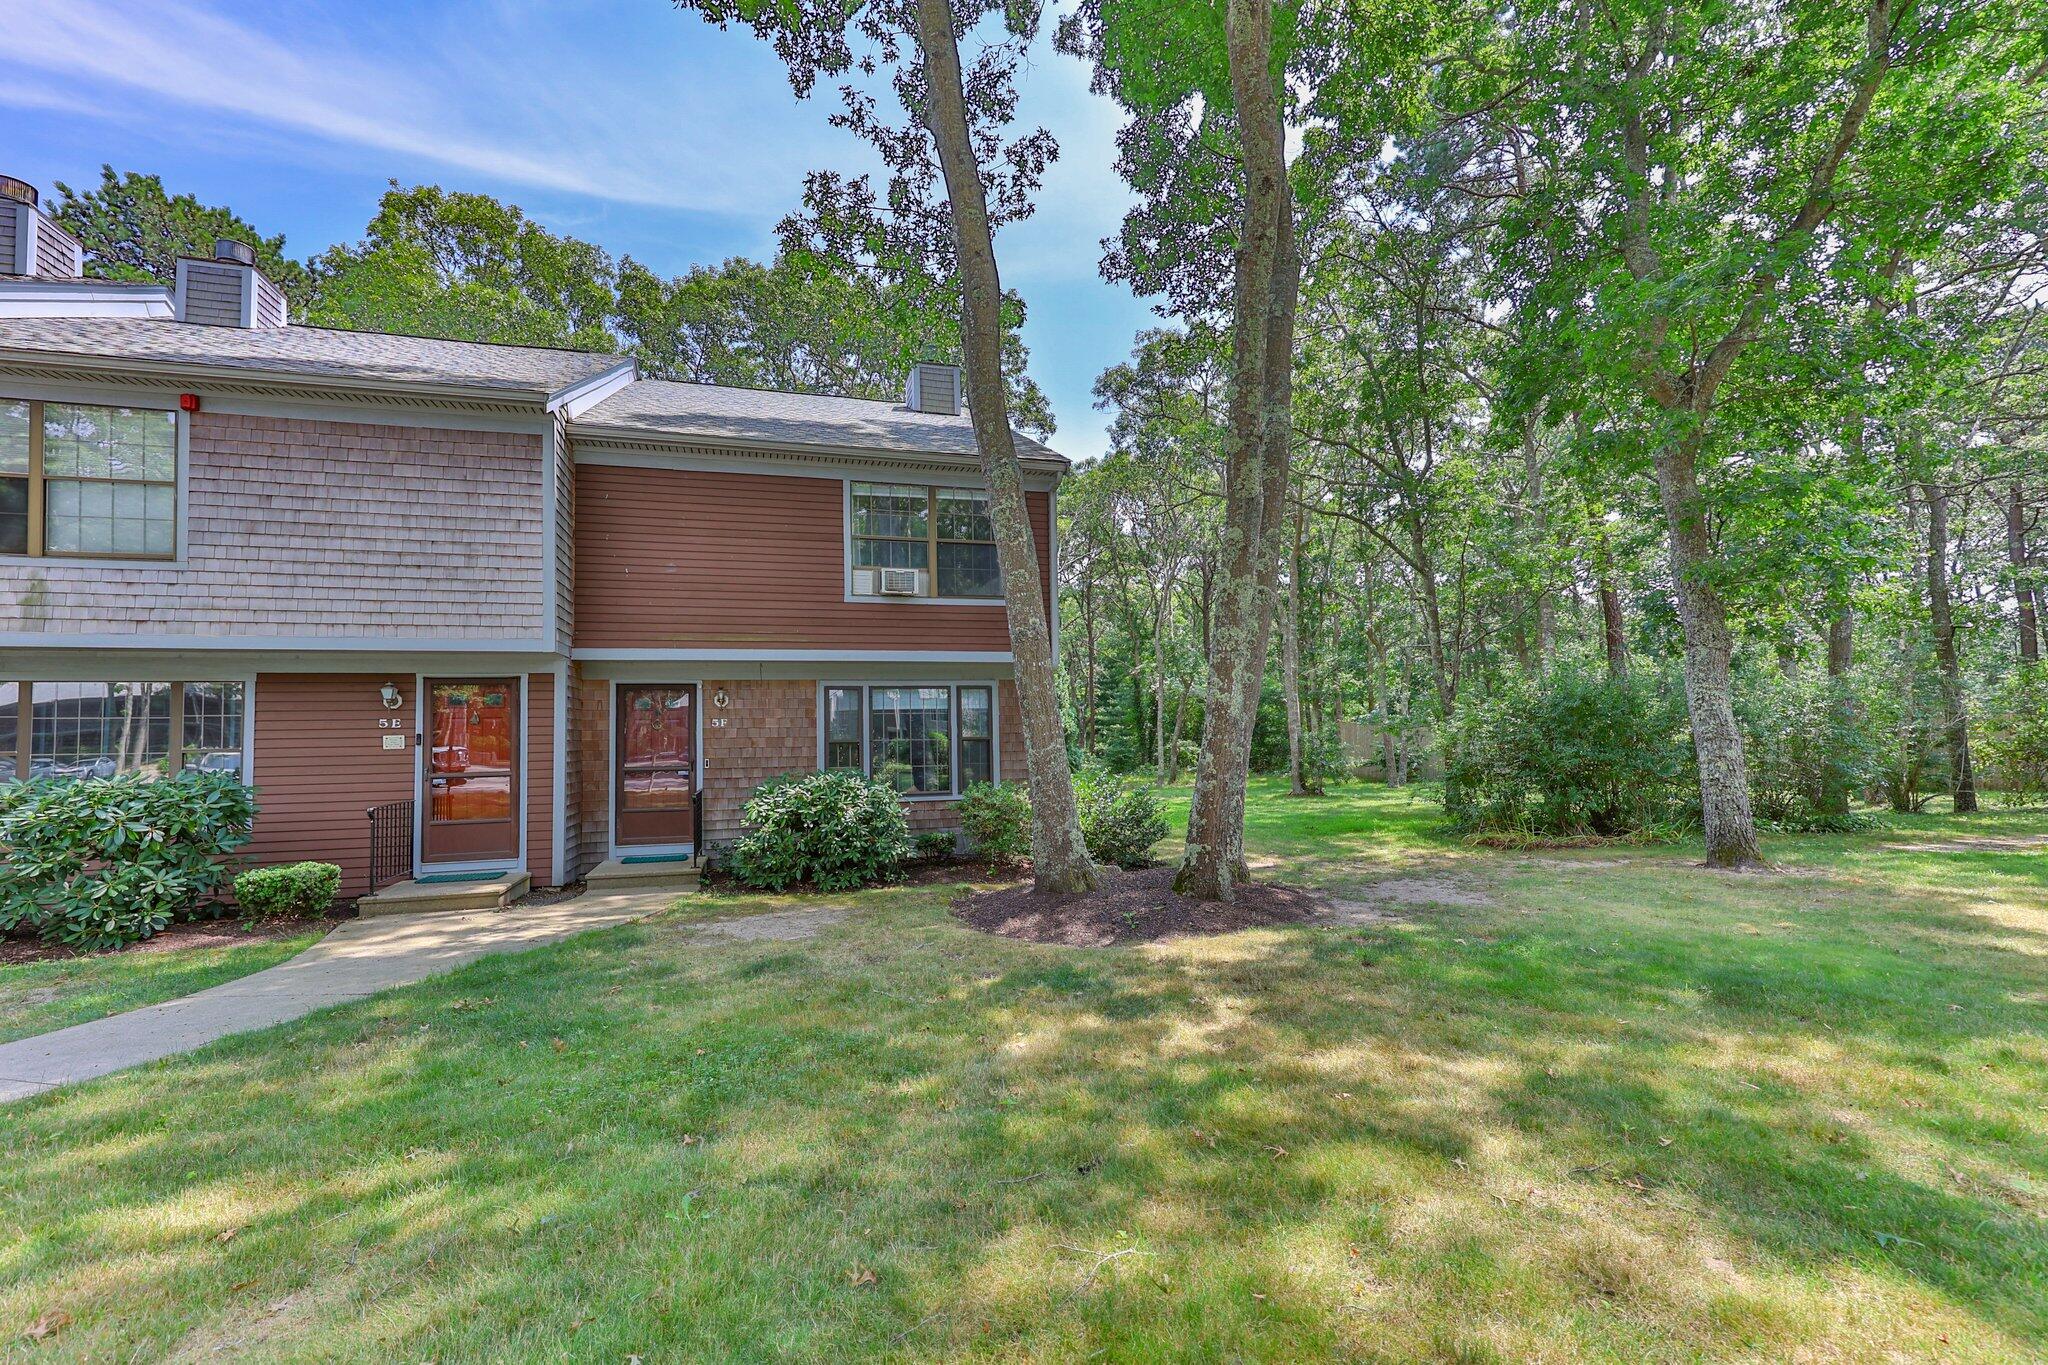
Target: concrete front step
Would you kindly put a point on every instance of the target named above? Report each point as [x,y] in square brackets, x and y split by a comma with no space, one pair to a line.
[411,897]
[614,874]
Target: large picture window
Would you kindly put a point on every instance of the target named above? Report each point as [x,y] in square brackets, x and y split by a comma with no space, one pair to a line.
[86,479]
[942,537]
[924,739]
[101,729]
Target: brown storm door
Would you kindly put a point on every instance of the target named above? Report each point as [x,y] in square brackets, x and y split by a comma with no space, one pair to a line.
[656,765]
[472,758]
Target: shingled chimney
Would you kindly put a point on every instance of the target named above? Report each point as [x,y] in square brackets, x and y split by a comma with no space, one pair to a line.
[227,290]
[31,241]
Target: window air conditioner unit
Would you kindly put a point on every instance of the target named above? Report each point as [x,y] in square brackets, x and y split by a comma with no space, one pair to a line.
[902,582]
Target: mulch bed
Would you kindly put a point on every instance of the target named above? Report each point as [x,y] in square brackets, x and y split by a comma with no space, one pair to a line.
[913,874]
[1133,907]
[203,933]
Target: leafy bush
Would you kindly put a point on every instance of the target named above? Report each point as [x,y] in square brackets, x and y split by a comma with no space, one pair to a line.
[935,845]
[108,862]
[1807,751]
[1120,821]
[2015,739]
[835,830]
[997,818]
[293,889]
[1569,754]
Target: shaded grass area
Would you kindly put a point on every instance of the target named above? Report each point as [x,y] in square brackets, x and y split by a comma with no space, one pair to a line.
[37,997]
[1631,1110]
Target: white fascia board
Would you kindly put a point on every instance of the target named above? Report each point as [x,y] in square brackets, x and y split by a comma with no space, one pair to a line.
[588,393]
[809,462]
[83,299]
[877,656]
[346,644]
[195,376]
[632,441]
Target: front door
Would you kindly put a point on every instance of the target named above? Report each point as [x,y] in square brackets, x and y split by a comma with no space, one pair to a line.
[656,775]
[472,777]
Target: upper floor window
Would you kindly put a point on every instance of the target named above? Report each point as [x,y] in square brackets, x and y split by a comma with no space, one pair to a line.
[940,542]
[86,479]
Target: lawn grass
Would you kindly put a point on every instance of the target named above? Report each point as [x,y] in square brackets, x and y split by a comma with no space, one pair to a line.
[1628,1110]
[37,997]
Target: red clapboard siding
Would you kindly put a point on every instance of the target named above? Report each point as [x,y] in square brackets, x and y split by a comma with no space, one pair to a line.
[320,765]
[540,778]
[670,558]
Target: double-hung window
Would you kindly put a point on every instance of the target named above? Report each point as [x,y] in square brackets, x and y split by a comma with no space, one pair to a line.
[88,479]
[941,538]
[923,739]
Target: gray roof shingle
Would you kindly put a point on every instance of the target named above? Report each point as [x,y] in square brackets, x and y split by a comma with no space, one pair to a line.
[714,414]
[314,352]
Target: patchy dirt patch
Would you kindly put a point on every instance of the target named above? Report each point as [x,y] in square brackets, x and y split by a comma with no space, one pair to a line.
[782,926]
[1414,891]
[212,933]
[1133,907]
[1975,843]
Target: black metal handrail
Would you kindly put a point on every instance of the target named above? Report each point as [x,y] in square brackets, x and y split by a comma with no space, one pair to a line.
[697,825]
[390,843]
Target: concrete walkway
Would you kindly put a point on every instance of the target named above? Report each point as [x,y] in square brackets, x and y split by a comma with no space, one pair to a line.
[360,958]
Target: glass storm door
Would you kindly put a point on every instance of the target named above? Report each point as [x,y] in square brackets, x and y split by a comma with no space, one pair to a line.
[472,779]
[657,773]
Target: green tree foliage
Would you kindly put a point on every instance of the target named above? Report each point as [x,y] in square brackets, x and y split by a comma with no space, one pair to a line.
[466,266]
[800,323]
[132,228]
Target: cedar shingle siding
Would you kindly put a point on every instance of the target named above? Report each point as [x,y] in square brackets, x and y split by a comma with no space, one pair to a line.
[10,242]
[322,529]
[213,295]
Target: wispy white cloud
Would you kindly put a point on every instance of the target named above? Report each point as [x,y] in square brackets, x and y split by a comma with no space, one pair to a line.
[489,89]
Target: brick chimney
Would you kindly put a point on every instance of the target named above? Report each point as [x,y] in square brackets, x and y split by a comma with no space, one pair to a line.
[31,242]
[227,290]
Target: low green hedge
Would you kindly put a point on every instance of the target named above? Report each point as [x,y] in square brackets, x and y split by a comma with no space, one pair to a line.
[997,818]
[106,862]
[835,830]
[294,889]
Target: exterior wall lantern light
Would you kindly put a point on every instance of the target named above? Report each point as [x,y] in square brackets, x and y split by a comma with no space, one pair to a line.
[390,696]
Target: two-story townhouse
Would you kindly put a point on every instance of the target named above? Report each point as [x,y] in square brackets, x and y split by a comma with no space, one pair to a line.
[536,612]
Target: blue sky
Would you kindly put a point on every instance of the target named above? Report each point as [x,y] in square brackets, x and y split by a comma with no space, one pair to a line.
[627,123]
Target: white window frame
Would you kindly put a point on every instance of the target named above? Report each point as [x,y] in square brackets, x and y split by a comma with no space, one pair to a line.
[952,686]
[927,481]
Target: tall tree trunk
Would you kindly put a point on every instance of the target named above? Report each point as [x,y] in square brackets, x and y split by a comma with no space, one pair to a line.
[1160,620]
[1709,652]
[1614,630]
[1290,665]
[1537,530]
[1955,715]
[1059,857]
[1262,326]
[1835,778]
[1180,720]
[2023,588]
[1088,681]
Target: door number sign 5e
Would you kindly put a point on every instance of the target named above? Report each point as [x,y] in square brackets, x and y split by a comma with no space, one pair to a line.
[388,724]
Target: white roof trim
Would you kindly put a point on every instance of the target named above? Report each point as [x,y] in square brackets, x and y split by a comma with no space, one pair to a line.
[588,393]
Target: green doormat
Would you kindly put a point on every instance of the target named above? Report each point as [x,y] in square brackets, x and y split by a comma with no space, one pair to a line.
[437,878]
[656,858]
